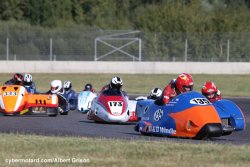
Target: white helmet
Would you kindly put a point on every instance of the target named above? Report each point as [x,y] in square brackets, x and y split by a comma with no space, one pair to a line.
[67,85]
[155,93]
[56,86]
[116,82]
[27,79]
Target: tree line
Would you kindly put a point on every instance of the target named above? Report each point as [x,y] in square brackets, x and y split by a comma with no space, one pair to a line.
[144,15]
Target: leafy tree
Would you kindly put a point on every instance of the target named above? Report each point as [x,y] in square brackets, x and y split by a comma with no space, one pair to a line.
[11,9]
[47,12]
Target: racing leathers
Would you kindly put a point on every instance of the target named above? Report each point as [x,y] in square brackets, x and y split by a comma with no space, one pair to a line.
[12,82]
[71,97]
[107,88]
[169,92]
[30,88]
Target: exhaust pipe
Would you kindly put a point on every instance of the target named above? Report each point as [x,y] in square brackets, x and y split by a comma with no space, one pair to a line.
[210,130]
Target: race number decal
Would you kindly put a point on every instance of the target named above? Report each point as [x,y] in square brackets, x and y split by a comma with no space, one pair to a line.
[10,94]
[158,115]
[200,101]
[115,107]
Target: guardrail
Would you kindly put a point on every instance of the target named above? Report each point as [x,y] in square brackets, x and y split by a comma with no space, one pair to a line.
[124,67]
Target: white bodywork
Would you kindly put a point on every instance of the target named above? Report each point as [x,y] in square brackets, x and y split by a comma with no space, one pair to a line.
[85,99]
[132,107]
[99,112]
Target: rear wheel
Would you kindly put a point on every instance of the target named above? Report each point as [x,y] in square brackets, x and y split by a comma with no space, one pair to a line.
[227,130]
[136,128]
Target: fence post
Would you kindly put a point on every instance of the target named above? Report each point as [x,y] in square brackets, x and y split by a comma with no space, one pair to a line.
[7,49]
[95,58]
[50,49]
[228,49]
[139,49]
[185,52]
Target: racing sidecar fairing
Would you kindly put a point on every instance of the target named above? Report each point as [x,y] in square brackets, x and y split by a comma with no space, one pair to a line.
[189,115]
[230,115]
[71,98]
[15,100]
[85,99]
[111,106]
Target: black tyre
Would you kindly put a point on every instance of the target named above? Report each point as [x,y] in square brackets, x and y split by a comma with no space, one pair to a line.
[52,112]
[64,113]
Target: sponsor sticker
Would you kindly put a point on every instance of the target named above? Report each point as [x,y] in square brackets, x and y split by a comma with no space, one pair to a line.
[199,101]
[161,129]
[158,114]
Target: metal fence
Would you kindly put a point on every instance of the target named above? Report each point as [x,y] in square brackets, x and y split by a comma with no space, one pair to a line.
[125,46]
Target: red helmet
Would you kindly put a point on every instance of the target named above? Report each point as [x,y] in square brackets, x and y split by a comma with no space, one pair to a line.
[209,90]
[184,82]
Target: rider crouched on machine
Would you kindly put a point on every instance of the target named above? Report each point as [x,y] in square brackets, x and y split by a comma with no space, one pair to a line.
[183,83]
[29,84]
[70,94]
[211,91]
[89,87]
[56,87]
[114,87]
[155,94]
[16,80]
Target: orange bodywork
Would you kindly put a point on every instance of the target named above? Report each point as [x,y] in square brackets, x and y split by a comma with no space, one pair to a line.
[15,99]
[35,100]
[189,122]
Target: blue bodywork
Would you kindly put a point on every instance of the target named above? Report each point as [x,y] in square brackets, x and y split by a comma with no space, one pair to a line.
[157,115]
[231,113]
[71,97]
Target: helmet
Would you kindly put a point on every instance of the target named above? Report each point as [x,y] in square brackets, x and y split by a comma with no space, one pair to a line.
[209,90]
[88,87]
[18,78]
[27,79]
[184,82]
[116,83]
[67,85]
[155,93]
[56,86]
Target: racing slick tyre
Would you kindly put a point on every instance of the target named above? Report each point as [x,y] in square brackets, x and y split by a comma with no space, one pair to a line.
[136,128]
[227,130]
[64,113]
[52,112]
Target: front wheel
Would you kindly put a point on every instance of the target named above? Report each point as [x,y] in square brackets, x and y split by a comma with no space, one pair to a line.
[64,113]
[52,112]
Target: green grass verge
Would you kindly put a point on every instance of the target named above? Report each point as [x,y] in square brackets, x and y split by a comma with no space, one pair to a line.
[114,152]
[230,85]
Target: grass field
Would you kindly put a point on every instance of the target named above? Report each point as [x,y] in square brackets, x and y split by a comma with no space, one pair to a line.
[80,151]
[17,150]
[230,85]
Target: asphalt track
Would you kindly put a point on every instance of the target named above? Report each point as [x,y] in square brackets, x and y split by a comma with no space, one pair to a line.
[76,124]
